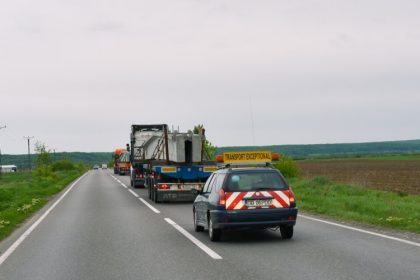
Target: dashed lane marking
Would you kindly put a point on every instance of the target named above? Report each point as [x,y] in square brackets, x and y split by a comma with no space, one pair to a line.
[150,206]
[194,240]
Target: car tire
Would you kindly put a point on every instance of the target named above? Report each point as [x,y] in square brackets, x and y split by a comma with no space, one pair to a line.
[286,232]
[214,233]
[197,228]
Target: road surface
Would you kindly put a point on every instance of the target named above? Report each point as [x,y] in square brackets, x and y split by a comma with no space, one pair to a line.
[102,229]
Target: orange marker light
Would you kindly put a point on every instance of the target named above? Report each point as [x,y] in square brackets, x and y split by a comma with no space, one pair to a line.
[219,158]
[275,157]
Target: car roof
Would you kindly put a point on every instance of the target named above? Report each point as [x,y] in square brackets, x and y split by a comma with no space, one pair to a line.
[246,169]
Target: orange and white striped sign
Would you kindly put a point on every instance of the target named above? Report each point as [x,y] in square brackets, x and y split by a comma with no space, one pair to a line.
[257,199]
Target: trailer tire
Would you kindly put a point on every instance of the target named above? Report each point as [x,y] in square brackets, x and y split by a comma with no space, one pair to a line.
[155,197]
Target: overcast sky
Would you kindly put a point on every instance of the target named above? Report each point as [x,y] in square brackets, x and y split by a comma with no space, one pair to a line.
[76,74]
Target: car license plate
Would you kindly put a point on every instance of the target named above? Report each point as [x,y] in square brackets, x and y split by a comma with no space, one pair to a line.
[258,202]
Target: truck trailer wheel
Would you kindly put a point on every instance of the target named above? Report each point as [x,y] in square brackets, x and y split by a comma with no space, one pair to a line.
[155,197]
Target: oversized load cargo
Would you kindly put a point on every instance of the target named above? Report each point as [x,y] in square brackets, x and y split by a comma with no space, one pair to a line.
[149,144]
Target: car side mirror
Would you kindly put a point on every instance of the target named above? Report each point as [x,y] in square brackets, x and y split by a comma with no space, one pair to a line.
[195,191]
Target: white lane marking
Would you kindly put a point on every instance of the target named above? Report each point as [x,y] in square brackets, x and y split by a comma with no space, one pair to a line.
[19,241]
[136,195]
[150,206]
[194,240]
[121,183]
[361,230]
[133,193]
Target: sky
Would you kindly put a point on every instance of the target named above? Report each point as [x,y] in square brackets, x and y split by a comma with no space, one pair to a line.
[75,74]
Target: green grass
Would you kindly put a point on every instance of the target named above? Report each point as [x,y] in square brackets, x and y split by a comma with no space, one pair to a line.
[22,194]
[352,203]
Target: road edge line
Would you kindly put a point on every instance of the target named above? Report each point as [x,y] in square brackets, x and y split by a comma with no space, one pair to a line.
[361,230]
[22,238]
[194,240]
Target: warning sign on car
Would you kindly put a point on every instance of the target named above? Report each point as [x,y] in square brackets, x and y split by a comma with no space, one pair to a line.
[251,156]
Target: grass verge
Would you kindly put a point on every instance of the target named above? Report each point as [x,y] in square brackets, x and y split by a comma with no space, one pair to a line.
[22,194]
[353,203]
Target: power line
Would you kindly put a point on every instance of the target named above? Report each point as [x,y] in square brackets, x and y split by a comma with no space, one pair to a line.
[29,150]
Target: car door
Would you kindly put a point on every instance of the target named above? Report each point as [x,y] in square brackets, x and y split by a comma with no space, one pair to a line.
[201,202]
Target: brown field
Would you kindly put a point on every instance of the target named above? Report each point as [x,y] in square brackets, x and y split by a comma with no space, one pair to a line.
[390,175]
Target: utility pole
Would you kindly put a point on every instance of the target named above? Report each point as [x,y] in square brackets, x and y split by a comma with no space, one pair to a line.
[29,150]
[1,127]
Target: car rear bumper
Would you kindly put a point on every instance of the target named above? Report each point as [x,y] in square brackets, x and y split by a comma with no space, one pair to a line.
[256,218]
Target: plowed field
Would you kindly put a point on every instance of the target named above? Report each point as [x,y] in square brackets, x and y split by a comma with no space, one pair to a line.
[390,175]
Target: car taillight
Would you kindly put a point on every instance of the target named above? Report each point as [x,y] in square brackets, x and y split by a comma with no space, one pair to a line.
[292,197]
[222,197]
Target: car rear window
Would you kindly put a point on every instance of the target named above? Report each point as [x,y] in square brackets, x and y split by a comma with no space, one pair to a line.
[253,181]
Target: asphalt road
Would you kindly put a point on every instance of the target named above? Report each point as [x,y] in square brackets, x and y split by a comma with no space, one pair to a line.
[101,230]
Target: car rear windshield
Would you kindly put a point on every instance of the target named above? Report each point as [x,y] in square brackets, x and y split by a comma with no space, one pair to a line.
[254,181]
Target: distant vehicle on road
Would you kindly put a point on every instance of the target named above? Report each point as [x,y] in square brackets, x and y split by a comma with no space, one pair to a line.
[8,168]
[121,162]
[96,166]
[104,166]
[238,197]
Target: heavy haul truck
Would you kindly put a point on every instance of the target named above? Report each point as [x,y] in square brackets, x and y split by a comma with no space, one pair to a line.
[168,163]
[121,162]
